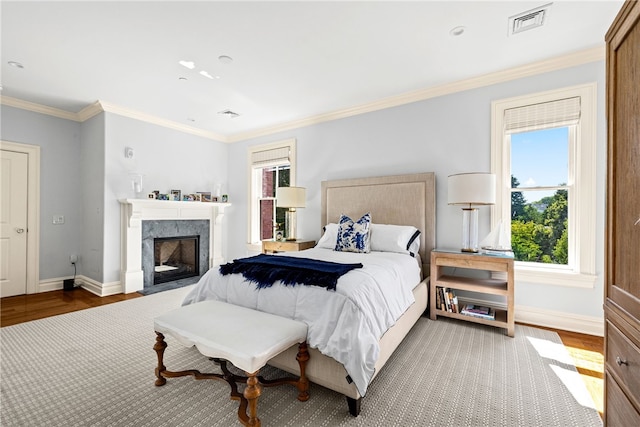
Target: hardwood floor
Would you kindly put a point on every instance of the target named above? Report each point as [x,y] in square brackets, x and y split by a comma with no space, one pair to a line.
[23,308]
[587,351]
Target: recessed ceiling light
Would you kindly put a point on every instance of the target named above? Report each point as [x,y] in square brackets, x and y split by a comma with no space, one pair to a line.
[15,64]
[228,113]
[225,59]
[457,31]
[189,64]
[182,78]
[207,75]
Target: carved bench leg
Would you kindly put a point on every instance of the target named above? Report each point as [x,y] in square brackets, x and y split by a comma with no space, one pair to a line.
[159,347]
[251,393]
[303,383]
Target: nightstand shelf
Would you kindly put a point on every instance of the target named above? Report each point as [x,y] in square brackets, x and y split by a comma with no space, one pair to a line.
[273,246]
[441,259]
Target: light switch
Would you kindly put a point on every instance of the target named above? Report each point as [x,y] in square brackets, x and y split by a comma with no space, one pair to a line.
[58,219]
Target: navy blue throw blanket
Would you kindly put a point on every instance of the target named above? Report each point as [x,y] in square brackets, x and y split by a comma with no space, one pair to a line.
[265,270]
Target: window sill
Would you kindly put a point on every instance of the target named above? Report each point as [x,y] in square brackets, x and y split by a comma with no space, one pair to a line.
[554,277]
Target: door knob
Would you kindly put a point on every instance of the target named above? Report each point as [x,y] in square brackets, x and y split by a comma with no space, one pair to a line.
[19,230]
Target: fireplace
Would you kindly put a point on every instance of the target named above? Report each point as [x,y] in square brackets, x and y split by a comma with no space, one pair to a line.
[144,220]
[174,253]
[175,258]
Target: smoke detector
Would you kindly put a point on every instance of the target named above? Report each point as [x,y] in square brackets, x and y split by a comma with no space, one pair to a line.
[528,20]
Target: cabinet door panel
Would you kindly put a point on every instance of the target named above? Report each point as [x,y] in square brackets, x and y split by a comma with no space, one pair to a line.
[625,179]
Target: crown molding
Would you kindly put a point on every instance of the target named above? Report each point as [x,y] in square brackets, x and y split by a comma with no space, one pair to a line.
[553,64]
[144,117]
[38,108]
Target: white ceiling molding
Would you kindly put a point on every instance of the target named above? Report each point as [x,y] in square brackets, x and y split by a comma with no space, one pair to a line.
[144,117]
[38,108]
[558,63]
[565,61]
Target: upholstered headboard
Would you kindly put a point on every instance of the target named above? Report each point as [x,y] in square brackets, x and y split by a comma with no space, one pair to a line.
[396,199]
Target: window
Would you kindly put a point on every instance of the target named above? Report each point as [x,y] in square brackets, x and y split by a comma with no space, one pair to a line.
[543,155]
[270,166]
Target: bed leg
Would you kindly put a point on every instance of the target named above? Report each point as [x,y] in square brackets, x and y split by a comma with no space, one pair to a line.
[354,405]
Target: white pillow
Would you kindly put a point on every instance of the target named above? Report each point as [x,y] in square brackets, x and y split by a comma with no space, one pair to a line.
[404,239]
[330,237]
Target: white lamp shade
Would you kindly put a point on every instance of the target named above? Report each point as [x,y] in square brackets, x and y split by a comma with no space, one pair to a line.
[290,197]
[472,189]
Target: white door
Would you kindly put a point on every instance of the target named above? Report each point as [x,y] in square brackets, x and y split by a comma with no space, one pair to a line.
[13,223]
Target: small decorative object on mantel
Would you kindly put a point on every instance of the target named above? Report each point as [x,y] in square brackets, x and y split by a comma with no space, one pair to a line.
[205,196]
[151,195]
[225,198]
[215,199]
[163,197]
[176,195]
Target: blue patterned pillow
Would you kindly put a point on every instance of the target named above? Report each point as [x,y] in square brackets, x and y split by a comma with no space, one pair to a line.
[354,236]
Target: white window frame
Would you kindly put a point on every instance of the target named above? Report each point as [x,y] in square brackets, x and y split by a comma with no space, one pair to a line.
[254,190]
[581,271]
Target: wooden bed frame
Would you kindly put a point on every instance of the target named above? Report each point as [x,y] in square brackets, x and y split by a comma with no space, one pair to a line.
[396,199]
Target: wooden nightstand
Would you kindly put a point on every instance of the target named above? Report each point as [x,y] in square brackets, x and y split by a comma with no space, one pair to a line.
[463,261]
[272,246]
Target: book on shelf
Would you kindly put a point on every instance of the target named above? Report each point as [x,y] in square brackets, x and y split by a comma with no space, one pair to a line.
[497,251]
[446,300]
[479,311]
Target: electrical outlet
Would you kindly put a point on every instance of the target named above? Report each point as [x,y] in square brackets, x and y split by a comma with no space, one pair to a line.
[58,219]
[73,259]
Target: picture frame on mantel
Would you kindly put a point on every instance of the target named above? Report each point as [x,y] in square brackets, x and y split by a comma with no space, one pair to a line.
[205,196]
[176,195]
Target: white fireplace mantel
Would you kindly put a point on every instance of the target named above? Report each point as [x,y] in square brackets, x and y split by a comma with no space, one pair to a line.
[134,211]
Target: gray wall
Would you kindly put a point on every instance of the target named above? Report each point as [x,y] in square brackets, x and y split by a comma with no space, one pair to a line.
[446,135]
[93,166]
[60,183]
[168,159]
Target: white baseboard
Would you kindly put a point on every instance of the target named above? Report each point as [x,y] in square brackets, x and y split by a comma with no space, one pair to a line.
[549,318]
[101,289]
[93,286]
[560,320]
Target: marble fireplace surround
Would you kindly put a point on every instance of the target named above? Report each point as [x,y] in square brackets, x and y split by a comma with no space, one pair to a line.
[153,229]
[134,211]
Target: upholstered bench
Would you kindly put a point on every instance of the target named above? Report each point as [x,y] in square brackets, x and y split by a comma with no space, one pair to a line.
[246,338]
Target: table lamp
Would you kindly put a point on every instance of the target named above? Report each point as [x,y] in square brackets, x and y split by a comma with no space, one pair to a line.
[471,189]
[290,198]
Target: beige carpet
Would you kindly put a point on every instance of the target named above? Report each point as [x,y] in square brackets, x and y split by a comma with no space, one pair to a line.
[96,368]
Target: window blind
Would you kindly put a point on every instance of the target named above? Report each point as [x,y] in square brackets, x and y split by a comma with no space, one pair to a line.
[271,157]
[563,112]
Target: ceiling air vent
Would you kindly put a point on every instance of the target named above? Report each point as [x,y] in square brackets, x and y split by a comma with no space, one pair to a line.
[533,18]
[228,113]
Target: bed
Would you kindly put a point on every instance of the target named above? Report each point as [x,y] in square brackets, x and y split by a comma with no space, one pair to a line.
[402,200]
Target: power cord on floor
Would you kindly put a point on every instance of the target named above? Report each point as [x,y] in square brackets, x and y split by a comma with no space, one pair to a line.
[75,270]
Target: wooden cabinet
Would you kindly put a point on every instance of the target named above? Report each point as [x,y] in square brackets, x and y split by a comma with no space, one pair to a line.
[441,259]
[271,246]
[622,246]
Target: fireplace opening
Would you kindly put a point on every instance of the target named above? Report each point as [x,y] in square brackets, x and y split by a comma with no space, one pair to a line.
[175,258]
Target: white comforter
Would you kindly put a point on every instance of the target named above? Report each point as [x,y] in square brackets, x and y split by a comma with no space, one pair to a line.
[345,324]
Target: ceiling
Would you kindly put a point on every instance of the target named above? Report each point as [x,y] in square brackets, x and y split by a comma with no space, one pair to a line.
[291,61]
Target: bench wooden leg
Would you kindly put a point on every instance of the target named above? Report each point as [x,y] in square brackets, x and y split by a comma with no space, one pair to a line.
[252,391]
[159,347]
[303,382]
